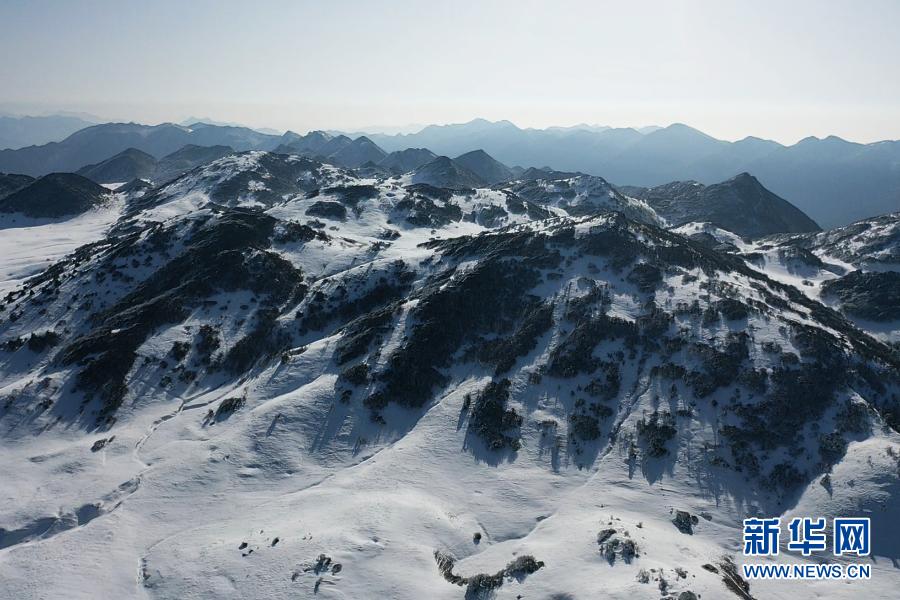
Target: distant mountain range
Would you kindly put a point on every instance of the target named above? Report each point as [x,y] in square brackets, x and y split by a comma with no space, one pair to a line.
[832,180]
[100,142]
[18,132]
[132,163]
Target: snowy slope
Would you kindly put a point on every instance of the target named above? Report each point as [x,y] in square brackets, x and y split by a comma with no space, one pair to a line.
[273,378]
[27,245]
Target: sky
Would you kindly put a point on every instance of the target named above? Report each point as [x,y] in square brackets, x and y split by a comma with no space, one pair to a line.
[781,70]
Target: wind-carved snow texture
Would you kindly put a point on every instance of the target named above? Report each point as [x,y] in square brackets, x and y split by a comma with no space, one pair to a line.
[298,381]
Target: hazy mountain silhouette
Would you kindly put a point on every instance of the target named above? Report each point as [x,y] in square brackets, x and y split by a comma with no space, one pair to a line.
[404,161]
[832,180]
[100,142]
[18,132]
[185,159]
[124,166]
[357,152]
[444,172]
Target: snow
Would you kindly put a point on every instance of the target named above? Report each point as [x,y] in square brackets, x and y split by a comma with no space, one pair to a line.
[163,509]
[28,246]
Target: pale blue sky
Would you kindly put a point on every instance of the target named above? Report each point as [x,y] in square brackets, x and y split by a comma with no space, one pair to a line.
[777,69]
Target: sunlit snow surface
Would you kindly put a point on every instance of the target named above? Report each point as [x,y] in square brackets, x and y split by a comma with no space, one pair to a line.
[171,507]
[28,246]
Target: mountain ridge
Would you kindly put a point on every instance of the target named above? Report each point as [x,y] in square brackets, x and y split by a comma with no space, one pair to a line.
[352,377]
[816,174]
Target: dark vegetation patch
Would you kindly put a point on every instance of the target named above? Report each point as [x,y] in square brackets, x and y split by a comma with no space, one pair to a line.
[422,211]
[799,254]
[530,248]
[586,427]
[574,355]
[655,431]
[430,191]
[492,421]
[180,350]
[279,174]
[227,253]
[613,544]
[488,216]
[100,444]
[518,205]
[352,195]
[228,406]
[454,307]
[356,375]
[731,309]
[328,210]
[785,477]
[502,352]
[685,521]
[36,342]
[207,342]
[358,334]
[799,393]
[388,234]
[291,231]
[645,276]
[874,295]
[352,298]
[721,367]
[265,340]
[607,381]
[731,578]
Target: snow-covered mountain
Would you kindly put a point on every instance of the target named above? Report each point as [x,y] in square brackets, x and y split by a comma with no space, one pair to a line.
[339,150]
[273,377]
[833,180]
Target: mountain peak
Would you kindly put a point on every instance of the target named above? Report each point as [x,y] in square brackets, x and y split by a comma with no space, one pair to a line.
[681,130]
[741,205]
[745,177]
[444,172]
[485,166]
